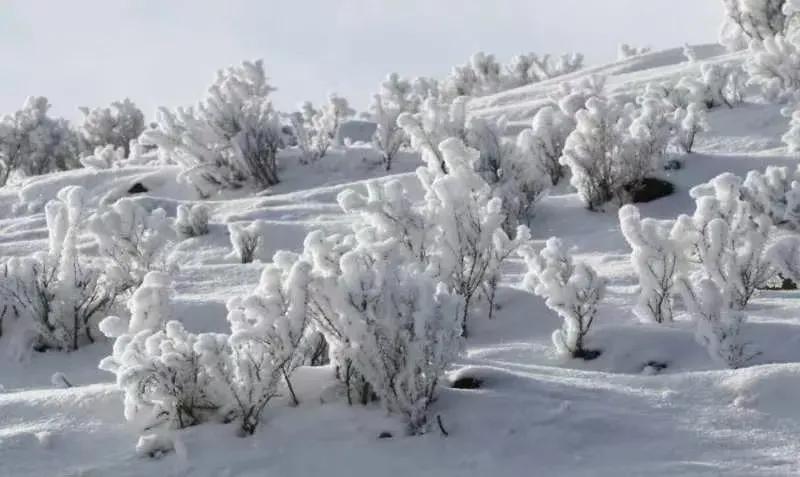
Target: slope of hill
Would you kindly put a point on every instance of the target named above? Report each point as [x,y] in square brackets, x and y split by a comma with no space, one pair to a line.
[534,414]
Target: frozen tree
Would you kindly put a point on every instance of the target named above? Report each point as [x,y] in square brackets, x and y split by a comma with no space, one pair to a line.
[316,129]
[784,255]
[626,51]
[403,327]
[468,221]
[277,315]
[773,66]
[132,239]
[594,152]
[531,68]
[248,241]
[229,139]
[719,328]
[728,238]
[192,220]
[689,123]
[658,259]
[435,122]
[59,294]
[395,97]
[792,137]
[776,193]
[758,20]
[33,143]
[115,126]
[105,157]
[543,144]
[571,290]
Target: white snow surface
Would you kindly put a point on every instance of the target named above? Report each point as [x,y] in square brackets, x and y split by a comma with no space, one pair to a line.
[535,414]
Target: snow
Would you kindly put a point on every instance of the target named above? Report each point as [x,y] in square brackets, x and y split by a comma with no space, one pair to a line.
[653,403]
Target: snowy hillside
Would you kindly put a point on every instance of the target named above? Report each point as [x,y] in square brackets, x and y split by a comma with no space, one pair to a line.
[654,402]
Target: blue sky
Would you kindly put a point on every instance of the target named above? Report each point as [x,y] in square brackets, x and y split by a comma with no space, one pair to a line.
[91,52]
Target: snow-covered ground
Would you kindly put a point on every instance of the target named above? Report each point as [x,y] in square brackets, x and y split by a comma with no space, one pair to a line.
[535,414]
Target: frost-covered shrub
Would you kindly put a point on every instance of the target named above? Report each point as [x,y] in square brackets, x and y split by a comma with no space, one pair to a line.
[59,294]
[33,143]
[395,98]
[776,193]
[154,358]
[277,315]
[595,152]
[132,239]
[435,122]
[513,177]
[658,259]
[467,219]
[571,290]
[728,238]
[543,144]
[626,51]
[248,241]
[114,126]
[530,68]
[192,220]
[404,329]
[229,139]
[773,66]
[718,326]
[717,85]
[784,255]
[747,21]
[315,129]
[689,123]
[755,20]
[105,157]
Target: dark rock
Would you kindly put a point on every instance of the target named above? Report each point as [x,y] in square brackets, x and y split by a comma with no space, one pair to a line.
[385,435]
[137,188]
[466,382]
[657,366]
[673,165]
[648,190]
[587,354]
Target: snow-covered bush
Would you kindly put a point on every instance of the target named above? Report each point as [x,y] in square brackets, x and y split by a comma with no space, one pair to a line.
[229,139]
[435,122]
[59,294]
[717,85]
[277,315]
[395,98]
[718,326]
[248,241]
[514,178]
[543,144]
[192,220]
[595,153]
[728,237]
[776,193]
[784,255]
[404,329]
[132,239]
[467,219]
[689,123]
[154,358]
[530,68]
[315,129]
[105,157]
[114,126]
[626,51]
[759,20]
[33,143]
[658,259]
[773,66]
[571,290]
